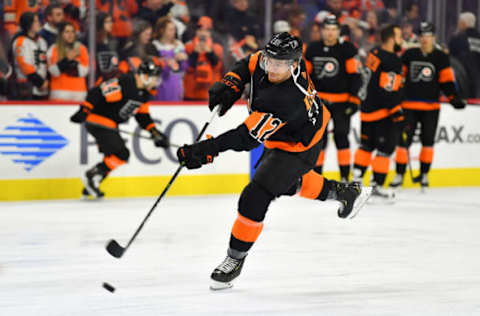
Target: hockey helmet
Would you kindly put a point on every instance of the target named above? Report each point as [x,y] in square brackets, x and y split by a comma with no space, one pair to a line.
[284,46]
[149,67]
[427,28]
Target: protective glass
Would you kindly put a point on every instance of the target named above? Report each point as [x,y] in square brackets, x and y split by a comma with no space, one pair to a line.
[276,66]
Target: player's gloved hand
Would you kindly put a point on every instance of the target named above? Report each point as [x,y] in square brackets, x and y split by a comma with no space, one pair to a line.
[198,154]
[458,102]
[80,116]
[225,93]
[159,138]
[351,108]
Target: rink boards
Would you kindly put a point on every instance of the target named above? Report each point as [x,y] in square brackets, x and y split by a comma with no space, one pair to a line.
[43,155]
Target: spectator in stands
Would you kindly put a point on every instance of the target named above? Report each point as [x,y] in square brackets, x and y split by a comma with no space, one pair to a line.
[410,39]
[281,26]
[152,10]
[75,11]
[172,51]
[138,48]
[107,58]
[5,73]
[372,21]
[240,22]
[390,14]
[14,9]
[29,55]
[68,63]
[121,11]
[412,13]
[204,64]
[336,8]
[465,46]
[296,19]
[315,33]
[53,17]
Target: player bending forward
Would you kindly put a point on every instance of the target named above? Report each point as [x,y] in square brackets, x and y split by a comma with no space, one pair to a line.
[288,118]
[109,104]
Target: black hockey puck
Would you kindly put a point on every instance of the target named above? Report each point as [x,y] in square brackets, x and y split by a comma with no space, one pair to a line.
[108,287]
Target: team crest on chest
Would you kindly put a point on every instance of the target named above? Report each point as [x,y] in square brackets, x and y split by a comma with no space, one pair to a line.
[421,71]
[325,67]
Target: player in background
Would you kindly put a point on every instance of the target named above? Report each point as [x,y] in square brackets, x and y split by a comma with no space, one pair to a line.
[335,72]
[114,101]
[381,114]
[427,72]
[286,116]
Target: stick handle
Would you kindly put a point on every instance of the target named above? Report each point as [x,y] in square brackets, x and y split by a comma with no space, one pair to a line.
[172,179]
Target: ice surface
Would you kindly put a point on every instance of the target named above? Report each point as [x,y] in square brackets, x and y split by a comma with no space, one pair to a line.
[420,256]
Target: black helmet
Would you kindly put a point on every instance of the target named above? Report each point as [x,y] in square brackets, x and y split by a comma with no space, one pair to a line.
[330,20]
[149,67]
[427,28]
[284,46]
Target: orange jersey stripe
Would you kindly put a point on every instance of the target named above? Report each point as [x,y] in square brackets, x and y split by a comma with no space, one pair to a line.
[113,161]
[419,105]
[380,164]
[352,65]
[426,155]
[362,157]
[446,75]
[101,120]
[401,155]
[245,229]
[334,97]
[312,185]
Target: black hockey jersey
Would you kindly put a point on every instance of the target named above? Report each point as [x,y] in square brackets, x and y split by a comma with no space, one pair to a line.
[281,115]
[384,72]
[425,76]
[335,71]
[116,100]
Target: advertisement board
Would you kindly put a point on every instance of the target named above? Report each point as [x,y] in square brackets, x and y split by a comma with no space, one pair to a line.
[43,155]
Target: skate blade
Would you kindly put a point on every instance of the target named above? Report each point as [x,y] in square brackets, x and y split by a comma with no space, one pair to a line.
[218,286]
[360,201]
[378,200]
[89,198]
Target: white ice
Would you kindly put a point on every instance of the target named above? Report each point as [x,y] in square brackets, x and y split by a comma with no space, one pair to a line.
[420,256]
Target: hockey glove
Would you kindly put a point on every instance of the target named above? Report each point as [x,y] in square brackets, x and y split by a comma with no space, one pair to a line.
[198,154]
[351,108]
[159,138]
[80,116]
[458,103]
[64,65]
[225,93]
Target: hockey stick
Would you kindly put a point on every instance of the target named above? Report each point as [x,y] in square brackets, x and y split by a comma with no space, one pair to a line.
[414,180]
[126,132]
[113,247]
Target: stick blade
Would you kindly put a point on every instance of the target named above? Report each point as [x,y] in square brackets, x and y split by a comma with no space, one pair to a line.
[114,249]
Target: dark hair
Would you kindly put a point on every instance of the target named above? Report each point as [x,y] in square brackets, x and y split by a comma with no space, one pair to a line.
[100,20]
[50,7]
[26,21]
[388,32]
[410,5]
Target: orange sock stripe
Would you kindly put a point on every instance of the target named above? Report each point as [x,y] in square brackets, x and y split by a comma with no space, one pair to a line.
[343,156]
[321,158]
[426,154]
[380,164]
[402,155]
[362,157]
[312,185]
[113,161]
[245,229]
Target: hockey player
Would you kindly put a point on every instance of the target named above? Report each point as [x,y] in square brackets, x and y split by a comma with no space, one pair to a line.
[381,113]
[335,72]
[109,104]
[427,72]
[286,116]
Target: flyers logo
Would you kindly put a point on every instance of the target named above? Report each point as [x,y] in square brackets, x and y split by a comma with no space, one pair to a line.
[325,67]
[421,71]
[262,125]
[111,90]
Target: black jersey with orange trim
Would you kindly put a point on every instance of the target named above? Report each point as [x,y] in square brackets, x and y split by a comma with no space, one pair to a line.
[384,86]
[281,115]
[426,75]
[335,71]
[116,100]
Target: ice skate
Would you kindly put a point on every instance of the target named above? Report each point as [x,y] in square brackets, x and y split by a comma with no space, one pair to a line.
[381,195]
[397,182]
[352,198]
[91,181]
[225,273]
[423,180]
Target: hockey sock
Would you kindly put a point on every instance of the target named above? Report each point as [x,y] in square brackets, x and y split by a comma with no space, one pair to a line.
[401,159]
[380,165]
[343,157]
[244,233]
[112,162]
[319,165]
[314,186]
[426,158]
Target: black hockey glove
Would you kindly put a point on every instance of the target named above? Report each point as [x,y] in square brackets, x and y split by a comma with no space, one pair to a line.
[458,103]
[225,93]
[351,108]
[80,116]
[198,154]
[159,138]
[64,65]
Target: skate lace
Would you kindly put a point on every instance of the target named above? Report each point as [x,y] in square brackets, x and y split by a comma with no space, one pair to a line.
[228,264]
